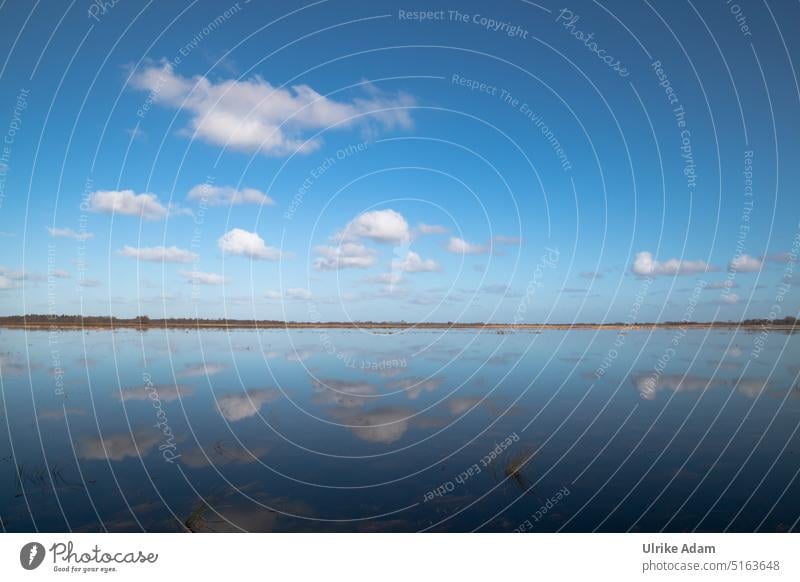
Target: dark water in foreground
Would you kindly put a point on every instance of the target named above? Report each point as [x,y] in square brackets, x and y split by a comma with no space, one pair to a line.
[357,431]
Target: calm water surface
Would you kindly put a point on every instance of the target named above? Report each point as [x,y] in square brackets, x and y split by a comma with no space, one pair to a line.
[357,431]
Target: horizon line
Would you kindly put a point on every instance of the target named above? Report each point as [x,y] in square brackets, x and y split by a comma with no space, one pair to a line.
[144,321]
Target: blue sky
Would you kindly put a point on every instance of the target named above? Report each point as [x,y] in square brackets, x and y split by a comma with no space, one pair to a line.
[343,160]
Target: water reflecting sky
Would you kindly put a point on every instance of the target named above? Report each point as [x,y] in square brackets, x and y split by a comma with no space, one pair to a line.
[344,430]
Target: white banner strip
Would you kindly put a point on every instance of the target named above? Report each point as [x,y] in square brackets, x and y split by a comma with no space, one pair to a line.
[402,557]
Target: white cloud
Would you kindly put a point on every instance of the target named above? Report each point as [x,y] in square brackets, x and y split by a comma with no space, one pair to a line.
[235,407]
[383,226]
[19,275]
[461,404]
[431,228]
[61,413]
[413,387]
[117,447]
[164,393]
[201,278]
[650,385]
[462,247]
[254,115]
[247,244]
[298,356]
[746,264]
[729,298]
[342,394]
[413,263]
[227,195]
[136,133]
[158,254]
[752,387]
[383,426]
[387,279]
[69,233]
[14,365]
[298,293]
[344,256]
[644,264]
[85,282]
[58,274]
[734,352]
[127,202]
[11,279]
[199,370]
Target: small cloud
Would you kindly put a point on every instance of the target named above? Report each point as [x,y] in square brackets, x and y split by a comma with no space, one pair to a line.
[201,278]
[227,195]
[12,279]
[60,413]
[382,426]
[342,394]
[298,355]
[86,282]
[645,265]
[247,244]
[649,385]
[13,365]
[240,406]
[198,370]
[127,202]
[158,254]
[117,447]
[58,274]
[69,233]
[164,393]
[387,279]
[298,293]
[413,263]
[344,256]
[383,226]
[413,387]
[461,247]
[729,298]
[752,387]
[136,133]
[461,404]
[508,240]
[746,264]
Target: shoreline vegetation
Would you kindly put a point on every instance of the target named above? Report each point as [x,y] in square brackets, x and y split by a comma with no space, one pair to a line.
[71,322]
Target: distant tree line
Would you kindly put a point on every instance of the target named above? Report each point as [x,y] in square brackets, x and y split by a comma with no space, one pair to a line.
[36,319]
